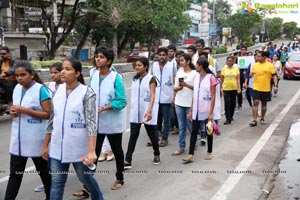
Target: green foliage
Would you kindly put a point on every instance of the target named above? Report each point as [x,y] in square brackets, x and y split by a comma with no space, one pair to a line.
[290,29]
[222,12]
[219,50]
[273,27]
[242,25]
[249,42]
[43,64]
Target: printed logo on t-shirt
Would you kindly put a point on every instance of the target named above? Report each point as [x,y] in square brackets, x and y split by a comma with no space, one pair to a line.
[169,82]
[78,121]
[34,121]
[147,96]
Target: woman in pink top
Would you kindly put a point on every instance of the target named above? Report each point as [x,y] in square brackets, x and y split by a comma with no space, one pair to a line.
[202,107]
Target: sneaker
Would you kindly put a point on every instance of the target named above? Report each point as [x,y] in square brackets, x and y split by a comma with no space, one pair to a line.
[203,141]
[239,106]
[275,95]
[39,188]
[127,165]
[156,160]
[163,143]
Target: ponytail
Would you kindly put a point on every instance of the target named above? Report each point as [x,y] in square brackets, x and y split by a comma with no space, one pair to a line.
[81,79]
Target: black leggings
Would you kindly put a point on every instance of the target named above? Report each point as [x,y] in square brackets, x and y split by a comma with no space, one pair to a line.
[17,167]
[229,103]
[196,126]
[134,134]
[115,141]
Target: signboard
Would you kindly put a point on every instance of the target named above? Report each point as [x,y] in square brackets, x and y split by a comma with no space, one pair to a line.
[204,30]
[288,10]
[244,61]
[226,31]
[212,29]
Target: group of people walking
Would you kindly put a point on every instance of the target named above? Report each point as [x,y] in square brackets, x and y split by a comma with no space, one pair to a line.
[68,122]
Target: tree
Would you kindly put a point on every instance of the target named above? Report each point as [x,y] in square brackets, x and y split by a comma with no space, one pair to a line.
[222,12]
[290,29]
[273,27]
[163,19]
[242,25]
[57,32]
[85,24]
[115,13]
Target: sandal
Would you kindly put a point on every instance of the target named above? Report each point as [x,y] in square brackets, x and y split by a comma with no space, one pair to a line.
[82,194]
[178,152]
[117,185]
[262,122]
[253,123]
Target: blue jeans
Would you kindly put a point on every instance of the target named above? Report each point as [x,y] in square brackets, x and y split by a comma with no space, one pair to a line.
[183,123]
[202,130]
[59,174]
[164,114]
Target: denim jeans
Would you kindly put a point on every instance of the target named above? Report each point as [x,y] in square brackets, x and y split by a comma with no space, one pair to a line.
[164,113]
[173,117]
[59,174]
[134,134]
[183,123]
[17,167]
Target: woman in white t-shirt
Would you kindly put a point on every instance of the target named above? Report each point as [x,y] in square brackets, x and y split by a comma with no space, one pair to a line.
[183,94]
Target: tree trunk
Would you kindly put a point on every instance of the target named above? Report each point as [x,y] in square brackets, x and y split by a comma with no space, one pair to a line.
[115,43]
[150,40]
[82,41]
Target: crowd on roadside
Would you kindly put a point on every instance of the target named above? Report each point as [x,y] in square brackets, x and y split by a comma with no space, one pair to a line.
[68,122]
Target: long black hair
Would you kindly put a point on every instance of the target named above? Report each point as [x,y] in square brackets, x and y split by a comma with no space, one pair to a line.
[145,62]
[76,64]
[205,65]
[187,57]
[28,67]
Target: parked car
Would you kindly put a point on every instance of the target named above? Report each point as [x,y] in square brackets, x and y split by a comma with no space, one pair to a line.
[137,54]
[292,66]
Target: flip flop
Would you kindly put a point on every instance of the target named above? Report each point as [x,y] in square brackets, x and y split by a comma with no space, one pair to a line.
[262,122]
[253,123]
[82,194]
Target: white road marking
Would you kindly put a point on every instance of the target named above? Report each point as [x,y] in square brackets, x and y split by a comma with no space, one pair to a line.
[233,179]
[4,179]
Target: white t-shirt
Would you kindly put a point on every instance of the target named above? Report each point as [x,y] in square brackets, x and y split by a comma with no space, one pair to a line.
[184,97]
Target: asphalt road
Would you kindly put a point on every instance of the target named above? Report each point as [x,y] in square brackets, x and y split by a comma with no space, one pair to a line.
[243,164]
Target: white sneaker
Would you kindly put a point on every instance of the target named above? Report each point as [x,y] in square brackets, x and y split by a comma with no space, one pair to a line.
[203,141]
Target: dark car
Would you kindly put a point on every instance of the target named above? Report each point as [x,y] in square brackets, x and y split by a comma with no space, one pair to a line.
[292,66]
[137,54]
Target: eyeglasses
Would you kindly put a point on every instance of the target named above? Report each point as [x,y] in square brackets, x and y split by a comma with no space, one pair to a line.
[2,54]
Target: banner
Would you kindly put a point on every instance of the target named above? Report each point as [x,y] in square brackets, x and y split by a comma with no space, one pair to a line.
[244,61]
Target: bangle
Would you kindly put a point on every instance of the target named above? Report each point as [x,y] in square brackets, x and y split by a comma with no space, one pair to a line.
[103,107]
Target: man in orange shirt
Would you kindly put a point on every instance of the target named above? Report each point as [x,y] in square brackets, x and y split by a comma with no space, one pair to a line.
[263,72]
[7,73]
